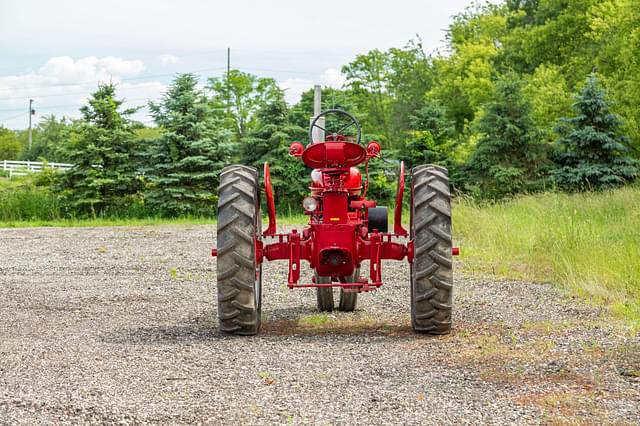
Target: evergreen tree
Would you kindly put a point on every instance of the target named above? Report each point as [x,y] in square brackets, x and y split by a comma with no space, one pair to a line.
[432,140]
[103,178]
[270,142]
[508,157]
[50,139]
[592,153]
[188,156]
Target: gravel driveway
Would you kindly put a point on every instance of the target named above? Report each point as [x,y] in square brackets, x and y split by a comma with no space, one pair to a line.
[118,325]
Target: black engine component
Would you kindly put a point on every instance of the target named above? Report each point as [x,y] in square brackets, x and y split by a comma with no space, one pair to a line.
[378,219]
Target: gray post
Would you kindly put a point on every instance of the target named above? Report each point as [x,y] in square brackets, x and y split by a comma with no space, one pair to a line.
[318,134]
[30,114]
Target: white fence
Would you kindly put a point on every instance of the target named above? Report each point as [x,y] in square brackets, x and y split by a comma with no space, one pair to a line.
[22,168]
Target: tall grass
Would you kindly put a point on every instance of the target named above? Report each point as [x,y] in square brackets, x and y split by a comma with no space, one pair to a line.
[21,200]
[23,203]
[589,243]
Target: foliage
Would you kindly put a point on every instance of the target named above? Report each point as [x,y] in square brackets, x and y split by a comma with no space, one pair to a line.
[147,133]
[465,78]
[9,145]
[185,161]
[269,142]
[432,141]
[50,140]
[508,157]
[26,199]
[550,99]
[573,240]
[592,153]
[238,96]
[389,86]
[103,177]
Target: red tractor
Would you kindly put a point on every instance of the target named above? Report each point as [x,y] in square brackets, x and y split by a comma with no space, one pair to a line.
[344,229]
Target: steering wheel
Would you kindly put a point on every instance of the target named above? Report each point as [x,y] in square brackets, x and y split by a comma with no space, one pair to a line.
[341,118]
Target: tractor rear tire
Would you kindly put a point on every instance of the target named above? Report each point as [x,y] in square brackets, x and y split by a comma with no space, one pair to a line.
[239,273]
[432,267]
[324,295]
[348,300]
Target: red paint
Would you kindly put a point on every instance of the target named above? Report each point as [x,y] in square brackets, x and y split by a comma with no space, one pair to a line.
[455,251]
[337,239]
[373,149]
[296,149]
[271,207]
[397,215]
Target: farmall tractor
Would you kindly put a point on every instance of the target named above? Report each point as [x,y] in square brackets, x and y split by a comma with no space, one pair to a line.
[345,229]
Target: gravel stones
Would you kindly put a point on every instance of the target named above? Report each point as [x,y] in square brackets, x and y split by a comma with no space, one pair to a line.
[117,326]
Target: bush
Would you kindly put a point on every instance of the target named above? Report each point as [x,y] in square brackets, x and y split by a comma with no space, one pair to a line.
[23,200]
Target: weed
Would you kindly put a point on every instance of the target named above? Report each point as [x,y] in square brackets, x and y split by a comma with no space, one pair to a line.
[268,378]
[173,273]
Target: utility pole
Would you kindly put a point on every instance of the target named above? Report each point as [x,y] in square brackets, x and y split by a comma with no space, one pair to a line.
[317,134]
[31,113]
[228,83]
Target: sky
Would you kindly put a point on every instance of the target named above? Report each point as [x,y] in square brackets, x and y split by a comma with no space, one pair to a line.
[56,52]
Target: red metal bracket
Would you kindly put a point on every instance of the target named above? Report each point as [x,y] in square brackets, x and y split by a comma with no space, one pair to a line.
[397,216]
[360,287]
[294,257]
[271,207]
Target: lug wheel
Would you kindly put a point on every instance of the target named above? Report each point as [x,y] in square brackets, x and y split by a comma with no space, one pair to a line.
[349,300]
[432,267]
[324,295]
[239,273]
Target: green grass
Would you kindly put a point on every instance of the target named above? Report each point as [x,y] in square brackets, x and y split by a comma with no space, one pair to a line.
[588,243]
[21,199]
[23,204]
[149,221]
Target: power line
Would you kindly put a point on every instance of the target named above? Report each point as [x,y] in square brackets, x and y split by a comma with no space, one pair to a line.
[72,93]
[76,105]
[87,83]
[12,117]
[281,71]
[92,82]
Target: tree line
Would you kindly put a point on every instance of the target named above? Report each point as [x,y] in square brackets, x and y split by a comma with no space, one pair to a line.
[529,95]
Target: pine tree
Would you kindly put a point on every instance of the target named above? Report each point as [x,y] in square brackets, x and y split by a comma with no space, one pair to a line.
[270,142]
[103,179]
[508,157]
[432,140]
[186,160]
[592,153]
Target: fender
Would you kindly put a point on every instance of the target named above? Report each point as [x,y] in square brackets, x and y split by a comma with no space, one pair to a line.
[271,206]
[397,216]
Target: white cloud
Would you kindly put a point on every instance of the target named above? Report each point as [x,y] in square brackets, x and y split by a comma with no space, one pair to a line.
[333,78]
[66,69]
[167,59]
[63,84]
[293,88]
